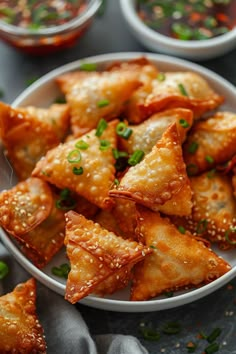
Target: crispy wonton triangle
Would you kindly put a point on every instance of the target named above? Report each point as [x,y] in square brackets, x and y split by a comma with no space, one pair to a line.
[21,331]
[145,135]
[25,138]
[95,254]
[83,165]
[96,95]
[159,176]
[25,206]
[177,261]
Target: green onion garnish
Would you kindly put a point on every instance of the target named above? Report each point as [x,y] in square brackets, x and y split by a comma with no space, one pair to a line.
[182,89]
[104,145]
[117,154]
[4,270]
[227,233]
[171,328]
[149,333]
[82,145]
[62,271]
[123,131]
[78,171]
[31,80]
[66,202]
[116,182]
[209,159]
[193,147]
[103,103]
[211,173]
[191,347]
[201,226]
[154,247]
[136,157]
[161,77]
[181,229]
[88,67]
[192,169]
[1,93]
[102,125]
[212,348]
[74,156]
[214,334]
[169,293]
[184,123]
[60,100]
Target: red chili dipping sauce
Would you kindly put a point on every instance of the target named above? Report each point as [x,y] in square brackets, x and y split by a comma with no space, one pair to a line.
[188,19]
[38,14]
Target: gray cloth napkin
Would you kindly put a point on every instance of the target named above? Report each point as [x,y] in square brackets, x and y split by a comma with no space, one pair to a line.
[65,329]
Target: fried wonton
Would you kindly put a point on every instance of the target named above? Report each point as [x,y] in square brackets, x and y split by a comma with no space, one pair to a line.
[25,138]
[124,212]
[84,165]
[178,260]
[44,241]
[214,209]
[145,135]
[159,176]
[107,220]
[95,95]
[180,89]
[57,115]
[96,254]
[25,206]
[210,142]
[21,331]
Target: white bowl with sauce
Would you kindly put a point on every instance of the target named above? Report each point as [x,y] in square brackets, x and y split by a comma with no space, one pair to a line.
[42,27]
[189,49]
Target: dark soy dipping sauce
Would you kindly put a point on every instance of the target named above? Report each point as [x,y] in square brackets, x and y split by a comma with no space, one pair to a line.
[188,19]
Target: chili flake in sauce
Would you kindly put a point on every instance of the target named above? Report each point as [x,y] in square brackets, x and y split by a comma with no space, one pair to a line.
[188,19]
[37,14]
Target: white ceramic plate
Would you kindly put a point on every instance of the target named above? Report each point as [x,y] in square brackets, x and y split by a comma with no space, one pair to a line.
[42,93]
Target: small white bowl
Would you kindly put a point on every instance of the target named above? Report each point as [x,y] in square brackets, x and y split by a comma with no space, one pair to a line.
[193,50]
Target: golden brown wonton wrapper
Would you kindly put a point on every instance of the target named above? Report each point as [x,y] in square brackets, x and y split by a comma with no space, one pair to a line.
[95,95]
[25,206]
[181,89]
[159,176]
[95,254]
[177,261]
[89,172]
[21,331]
[214,209]
[145,135]
[214,140]
[25,138]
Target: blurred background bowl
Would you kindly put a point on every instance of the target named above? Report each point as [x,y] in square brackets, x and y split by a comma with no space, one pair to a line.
[189,49]
[44,40]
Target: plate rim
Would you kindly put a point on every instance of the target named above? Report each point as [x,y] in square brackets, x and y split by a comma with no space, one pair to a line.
[105,303]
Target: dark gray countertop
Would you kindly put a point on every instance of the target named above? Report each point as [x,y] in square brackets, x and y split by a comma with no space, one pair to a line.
[110,34]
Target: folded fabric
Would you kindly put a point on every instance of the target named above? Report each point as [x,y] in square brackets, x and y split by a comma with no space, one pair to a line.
[65,330]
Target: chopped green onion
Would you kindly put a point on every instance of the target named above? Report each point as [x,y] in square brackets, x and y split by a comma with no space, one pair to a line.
[31,80]
[184,123]
[102,8]
[74,156]
[66,202]
[214,334]
[192,169]
[136,157]
[104,145]
[149,333]
[123,131]
[182,89]
[182,31]
[103,103]
[102,125]
[82,145]
[211,173]
[1,93]
[154,247]
[227,233]
[78,171]
[88,67]
[212,348]
[4,270]
[116,182]
[117,154]
[209,159]
[171,328]
[161,77]
[181,229]
[193,147]
[60,100]
[201,226]
[62,271]
[65,193]
[169,293]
